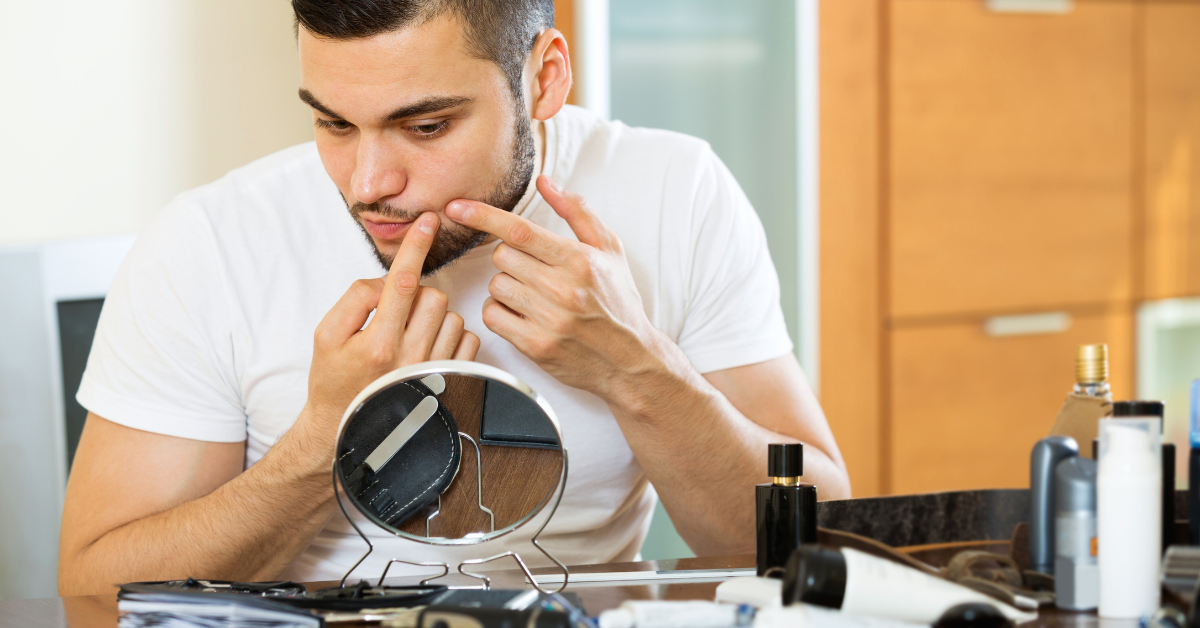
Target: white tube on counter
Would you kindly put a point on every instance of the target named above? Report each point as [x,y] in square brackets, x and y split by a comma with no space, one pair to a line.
[862,584]
[757,592]
[665,614]
[1129,517]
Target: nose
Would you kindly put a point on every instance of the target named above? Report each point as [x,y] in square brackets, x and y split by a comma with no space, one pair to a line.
[378,172]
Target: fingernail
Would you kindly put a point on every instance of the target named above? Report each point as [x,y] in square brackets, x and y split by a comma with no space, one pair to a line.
[459,210]
[554,185]
[427,222]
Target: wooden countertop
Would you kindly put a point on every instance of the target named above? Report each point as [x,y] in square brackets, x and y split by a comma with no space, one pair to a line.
[100,611]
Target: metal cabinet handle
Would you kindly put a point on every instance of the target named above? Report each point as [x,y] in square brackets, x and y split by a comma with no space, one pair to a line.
[1030,6]
[1027,324]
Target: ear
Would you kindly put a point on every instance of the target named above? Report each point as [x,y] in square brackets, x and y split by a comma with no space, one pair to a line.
[550,68]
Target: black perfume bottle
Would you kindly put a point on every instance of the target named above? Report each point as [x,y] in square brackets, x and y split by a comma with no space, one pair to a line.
[785,509]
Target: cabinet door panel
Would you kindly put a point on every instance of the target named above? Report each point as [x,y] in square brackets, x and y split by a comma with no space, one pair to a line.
[1011,157]
[966,408]
[1172,97]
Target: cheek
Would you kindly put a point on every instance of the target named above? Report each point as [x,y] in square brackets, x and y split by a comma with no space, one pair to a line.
[338,158]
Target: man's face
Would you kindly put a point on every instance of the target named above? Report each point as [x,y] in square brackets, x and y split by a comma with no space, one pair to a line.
[408,121]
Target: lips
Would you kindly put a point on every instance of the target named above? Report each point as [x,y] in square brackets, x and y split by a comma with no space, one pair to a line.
[381,229]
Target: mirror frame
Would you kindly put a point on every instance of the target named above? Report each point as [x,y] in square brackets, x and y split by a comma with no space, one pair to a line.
[453,367]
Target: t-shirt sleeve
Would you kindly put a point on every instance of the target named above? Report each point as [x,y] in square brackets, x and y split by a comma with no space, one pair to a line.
[162,357]
[733,315]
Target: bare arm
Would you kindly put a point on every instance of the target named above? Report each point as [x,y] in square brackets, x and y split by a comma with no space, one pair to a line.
[702,441]
[573,308]
[143,506]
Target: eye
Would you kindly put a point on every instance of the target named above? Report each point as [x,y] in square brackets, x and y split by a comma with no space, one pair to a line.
[429,129]
[336,127]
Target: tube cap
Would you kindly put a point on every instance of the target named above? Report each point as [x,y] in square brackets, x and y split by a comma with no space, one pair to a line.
[785,460]
[1138,408]
[815,575]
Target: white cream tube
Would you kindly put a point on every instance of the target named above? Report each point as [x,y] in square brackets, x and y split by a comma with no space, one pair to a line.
[663,614]
[882,588]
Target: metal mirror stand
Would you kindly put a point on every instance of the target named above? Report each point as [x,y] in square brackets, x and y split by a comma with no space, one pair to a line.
[486,581]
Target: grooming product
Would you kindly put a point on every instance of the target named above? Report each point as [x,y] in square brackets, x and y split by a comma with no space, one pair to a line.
[1193,488]
[859,583]
[1043,460]
[757,592]
[1129,517]
[972,616]
[1089,401]
[446,616]
[1155,410]
[1181,570]
[1076,573]
[665,614]
[785,509]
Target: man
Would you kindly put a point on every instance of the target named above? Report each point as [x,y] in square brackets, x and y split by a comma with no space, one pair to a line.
[620,272]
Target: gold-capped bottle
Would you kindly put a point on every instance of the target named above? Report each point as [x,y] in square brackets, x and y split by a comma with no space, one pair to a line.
[1089,401]
[785,509]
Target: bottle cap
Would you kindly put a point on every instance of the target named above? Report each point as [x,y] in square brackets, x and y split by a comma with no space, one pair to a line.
[1091,364]
[1138,408]
[785,460]
[815,575]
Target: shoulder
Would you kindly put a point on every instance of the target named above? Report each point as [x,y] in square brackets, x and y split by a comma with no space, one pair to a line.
[595,144]
[289,175]
[283,195]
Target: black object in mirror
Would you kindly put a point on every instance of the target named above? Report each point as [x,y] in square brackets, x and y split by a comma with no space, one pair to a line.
[449,453]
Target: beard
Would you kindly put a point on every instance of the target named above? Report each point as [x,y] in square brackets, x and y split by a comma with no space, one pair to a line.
[453,241]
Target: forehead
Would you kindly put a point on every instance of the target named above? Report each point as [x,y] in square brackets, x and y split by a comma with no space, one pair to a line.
[411,62]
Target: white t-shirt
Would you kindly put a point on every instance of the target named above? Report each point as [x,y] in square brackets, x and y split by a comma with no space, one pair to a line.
[207,330]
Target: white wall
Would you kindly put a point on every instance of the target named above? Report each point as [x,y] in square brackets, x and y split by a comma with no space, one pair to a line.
[111,108]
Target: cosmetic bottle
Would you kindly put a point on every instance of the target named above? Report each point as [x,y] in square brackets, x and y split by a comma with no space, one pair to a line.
[786,509]
[1089,401]
[1155,410]
[1129,517]
[858,583]
[1193,487]
[1043,460]
[1076,574]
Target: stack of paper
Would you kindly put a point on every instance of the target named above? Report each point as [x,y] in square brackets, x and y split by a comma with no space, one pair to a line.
[210,610]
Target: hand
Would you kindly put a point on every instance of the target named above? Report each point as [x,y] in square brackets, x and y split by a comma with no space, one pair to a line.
[411,325]
[571,307]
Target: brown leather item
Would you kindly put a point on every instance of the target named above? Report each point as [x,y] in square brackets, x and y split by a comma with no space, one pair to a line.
[1079,418]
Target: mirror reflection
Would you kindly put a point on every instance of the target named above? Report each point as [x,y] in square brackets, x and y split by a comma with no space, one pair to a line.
[449,457]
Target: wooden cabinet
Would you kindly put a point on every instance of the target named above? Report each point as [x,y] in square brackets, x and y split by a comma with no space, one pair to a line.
[967,407]
[1171,39]
[1011,157]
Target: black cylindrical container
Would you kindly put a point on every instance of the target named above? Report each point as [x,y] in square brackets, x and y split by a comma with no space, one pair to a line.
[785,509]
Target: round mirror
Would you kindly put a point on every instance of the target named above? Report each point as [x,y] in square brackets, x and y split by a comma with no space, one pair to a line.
[449,453]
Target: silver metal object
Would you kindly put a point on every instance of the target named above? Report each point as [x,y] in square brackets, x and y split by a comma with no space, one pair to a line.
[426,371]
[402,434]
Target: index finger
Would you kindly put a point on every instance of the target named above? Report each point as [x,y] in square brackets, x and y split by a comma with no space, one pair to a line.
[514,230]
[404,277]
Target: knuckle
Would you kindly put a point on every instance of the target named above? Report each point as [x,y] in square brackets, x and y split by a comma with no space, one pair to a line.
[407,282]
[521,235]
[382,355]
[436,297]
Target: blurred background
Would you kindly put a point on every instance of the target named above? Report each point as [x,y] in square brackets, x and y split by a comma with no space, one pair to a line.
[956,194]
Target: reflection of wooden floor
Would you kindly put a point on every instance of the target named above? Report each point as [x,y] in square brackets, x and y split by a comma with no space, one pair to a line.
[515,479]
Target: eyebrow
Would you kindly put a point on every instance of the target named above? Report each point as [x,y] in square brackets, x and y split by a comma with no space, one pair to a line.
[432,104]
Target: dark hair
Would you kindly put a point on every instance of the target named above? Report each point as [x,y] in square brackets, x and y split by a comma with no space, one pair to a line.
[501,31]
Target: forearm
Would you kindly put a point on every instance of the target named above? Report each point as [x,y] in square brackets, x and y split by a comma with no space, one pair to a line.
[704,456]
[250,528]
